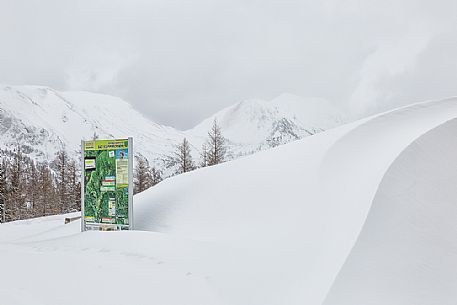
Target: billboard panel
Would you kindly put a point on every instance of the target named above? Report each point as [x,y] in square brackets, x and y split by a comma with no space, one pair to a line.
[107,189]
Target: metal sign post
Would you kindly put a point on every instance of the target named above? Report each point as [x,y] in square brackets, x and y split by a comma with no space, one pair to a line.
[107,185]
[83,226]
[130,188]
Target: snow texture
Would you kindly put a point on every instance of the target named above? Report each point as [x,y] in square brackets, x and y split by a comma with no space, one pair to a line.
[43,120]
[363,214]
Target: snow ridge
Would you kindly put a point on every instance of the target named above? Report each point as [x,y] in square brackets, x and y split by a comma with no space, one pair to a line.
[43,120]
[360,214]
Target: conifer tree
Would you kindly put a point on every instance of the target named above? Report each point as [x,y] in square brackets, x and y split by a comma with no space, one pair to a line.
[156,176]
[46,194]
[33,186]
[204,156]
[217,148]
[74,188]
[2,191]
[15,199]
[61,167]
[142,175]
[183,158]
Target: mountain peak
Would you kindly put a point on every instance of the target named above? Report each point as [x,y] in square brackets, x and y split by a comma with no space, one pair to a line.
[254,123]
[68,117]
[42,120]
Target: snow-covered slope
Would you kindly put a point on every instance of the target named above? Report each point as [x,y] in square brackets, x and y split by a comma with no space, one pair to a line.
[360,214]
[294,213]
[313,114]
[43,120]
[253,125]
[406,252]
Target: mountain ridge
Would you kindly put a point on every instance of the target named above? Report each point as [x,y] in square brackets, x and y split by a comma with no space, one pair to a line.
[43,120]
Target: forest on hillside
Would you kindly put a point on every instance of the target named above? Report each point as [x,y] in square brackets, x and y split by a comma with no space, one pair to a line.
[29,188]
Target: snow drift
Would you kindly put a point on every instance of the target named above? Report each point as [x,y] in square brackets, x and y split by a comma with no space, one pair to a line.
[406,252]
[361,214]
[297,211]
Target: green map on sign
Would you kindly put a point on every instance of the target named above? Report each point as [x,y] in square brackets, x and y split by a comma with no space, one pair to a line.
[105,200]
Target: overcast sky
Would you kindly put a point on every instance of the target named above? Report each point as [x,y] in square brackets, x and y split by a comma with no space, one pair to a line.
[180,61]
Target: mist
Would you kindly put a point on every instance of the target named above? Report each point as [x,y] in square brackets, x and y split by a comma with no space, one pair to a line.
[180,61]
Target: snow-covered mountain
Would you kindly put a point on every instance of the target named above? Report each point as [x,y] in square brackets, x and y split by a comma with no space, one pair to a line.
[43,120]
[253,125]
[361,214]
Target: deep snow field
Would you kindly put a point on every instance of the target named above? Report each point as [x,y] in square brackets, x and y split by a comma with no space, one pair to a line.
[363,214]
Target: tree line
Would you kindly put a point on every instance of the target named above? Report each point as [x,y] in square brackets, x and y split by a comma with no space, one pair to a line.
[31,189]
[214,151]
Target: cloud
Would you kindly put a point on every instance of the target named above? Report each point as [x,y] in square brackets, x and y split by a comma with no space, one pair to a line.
[432,76]
[389,60]
[97,70]
[179,61]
